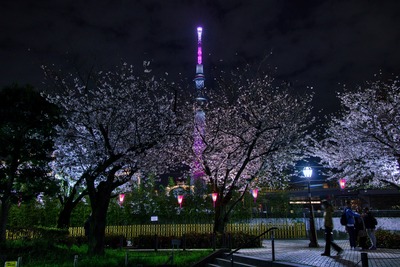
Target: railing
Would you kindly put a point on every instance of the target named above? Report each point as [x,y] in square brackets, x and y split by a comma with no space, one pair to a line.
[252,240]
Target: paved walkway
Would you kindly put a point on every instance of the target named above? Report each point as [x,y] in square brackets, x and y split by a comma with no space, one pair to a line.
[298,252]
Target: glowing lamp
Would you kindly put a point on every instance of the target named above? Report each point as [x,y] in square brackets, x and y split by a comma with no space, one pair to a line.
[307,171]
[121,198]
[254,192]
[342,183]
[180,199]
[214,198]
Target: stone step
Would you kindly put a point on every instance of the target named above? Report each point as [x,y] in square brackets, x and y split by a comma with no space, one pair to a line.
[237,262]
[248,261]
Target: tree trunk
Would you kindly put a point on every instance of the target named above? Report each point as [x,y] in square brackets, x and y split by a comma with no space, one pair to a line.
[220,218]
[5,208]
[223,210]
[64,217]
[97,221]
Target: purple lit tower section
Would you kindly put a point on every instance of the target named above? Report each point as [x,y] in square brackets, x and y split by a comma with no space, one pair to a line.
[199,116]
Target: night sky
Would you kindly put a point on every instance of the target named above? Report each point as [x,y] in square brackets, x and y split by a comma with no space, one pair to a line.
[318,44]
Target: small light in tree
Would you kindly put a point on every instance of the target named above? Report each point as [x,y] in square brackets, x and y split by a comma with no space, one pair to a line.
[180,199]
[254,192]
[342,183]
[121,199]
[214,198]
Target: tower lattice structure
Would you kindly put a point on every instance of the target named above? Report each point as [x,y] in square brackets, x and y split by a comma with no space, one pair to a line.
[199,114]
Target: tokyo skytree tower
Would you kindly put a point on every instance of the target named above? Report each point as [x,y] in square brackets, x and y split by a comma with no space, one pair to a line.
[199,114]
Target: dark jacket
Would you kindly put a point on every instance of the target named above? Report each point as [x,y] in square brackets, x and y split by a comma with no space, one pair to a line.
[369,220]
[359,223]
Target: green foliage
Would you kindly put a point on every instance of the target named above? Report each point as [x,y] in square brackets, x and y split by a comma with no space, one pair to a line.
[27,124]
[38,233]
[26,131]
[196,241]
[33,212]
[114,241]
[35,253]
[387,239]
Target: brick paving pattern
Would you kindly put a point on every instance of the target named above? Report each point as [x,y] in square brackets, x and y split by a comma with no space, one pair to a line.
[298,252]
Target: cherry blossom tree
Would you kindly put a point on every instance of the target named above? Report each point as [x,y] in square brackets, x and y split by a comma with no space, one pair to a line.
[362,143]
[117,124]
[252,128]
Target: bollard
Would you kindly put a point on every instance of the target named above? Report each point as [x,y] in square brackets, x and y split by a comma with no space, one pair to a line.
[19,261]
[126,258]
[273,245]
[75,260]
[364,259]
[213,241]
[184,242]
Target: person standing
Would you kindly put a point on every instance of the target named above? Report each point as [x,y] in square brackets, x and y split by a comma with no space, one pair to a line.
[350,226]
[361,232]
[328,224]
[370,224]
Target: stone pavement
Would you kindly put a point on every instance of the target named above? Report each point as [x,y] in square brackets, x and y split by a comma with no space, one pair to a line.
[298,253]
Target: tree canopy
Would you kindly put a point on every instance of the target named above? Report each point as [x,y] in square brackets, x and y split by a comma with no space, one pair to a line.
[117,124]
[362,143]
[253,127]
[27,123]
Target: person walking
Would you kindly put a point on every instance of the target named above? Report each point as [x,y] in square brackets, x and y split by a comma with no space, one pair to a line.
[328,224]
[350,226]
[370,224]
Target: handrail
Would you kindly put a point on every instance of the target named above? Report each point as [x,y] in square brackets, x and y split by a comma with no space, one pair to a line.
[252,240]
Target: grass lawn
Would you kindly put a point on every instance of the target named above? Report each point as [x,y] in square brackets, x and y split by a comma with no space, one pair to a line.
[62,256]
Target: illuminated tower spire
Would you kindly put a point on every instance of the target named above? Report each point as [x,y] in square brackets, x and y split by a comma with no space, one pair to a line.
[199,78]
[199,116]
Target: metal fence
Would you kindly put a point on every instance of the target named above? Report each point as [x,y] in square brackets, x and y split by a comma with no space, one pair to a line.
[284,231]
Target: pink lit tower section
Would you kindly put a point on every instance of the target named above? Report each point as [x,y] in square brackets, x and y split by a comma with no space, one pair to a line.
[199,114]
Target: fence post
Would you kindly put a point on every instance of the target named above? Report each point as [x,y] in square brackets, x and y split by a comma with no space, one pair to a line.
[156,243]
[273,244]
[364,259]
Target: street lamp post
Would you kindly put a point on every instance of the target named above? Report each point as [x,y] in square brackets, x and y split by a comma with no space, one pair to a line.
[307,171]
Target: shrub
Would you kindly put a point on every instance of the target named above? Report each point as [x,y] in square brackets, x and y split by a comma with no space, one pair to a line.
[36,232]
[387,239]
[115,241]
[196,240]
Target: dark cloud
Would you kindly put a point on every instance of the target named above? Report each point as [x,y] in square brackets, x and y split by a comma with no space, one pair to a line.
[313,43]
